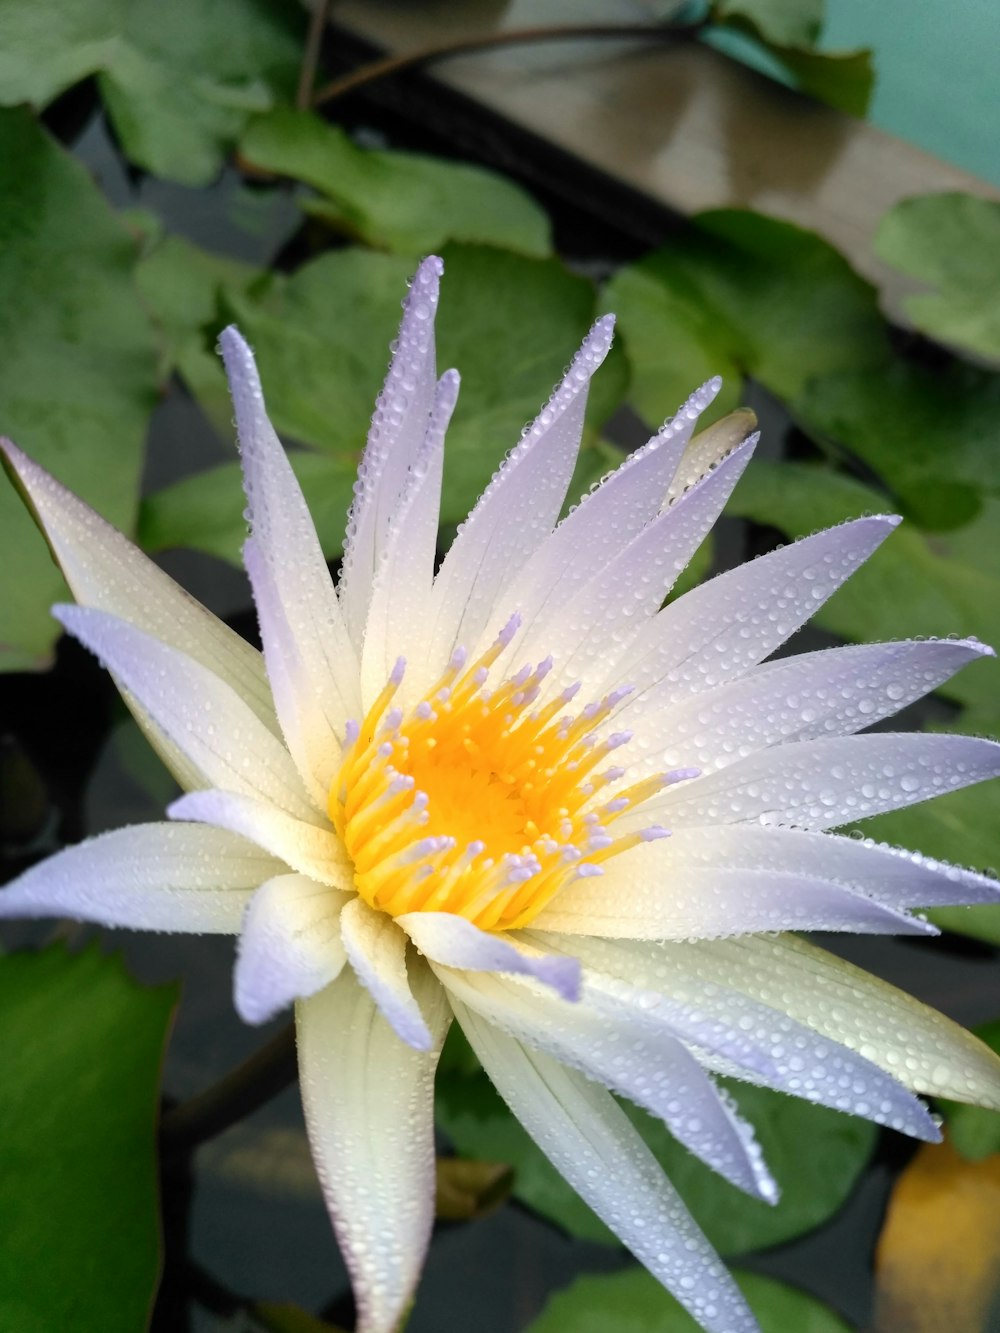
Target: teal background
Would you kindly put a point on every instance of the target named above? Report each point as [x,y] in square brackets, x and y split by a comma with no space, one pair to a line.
[937,65]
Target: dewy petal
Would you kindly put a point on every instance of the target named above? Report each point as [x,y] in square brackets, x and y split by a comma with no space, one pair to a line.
[376,949]
[284,533]
[455,942]
[720,629]
[307,848]
[819,784]
[290,945]
[890,875]
[106,571]
[397,432]
[199,713]
[146,877]
[401,593]
[633,1057]
[736,1033]
[833,692]
[600,622]
[604,521]
[517,510]
[589,1140]
[921,1048]
[369,1107]
[651,894]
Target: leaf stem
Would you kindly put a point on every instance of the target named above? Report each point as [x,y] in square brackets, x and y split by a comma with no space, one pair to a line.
[425,55]
[310,54]
[266,1073]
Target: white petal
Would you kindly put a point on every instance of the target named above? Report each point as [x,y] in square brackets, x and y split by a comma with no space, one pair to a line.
[289,945]
[736,1033]
[891,875]
[369,1106]
[591,1143]
[517,510]
[397,432]
[603,523]
[601,621]
[376,948]
[147,877]
[284,533]
[454,942]
[401,592]
[720,629]
[202,715]
[649,894]
[630,1055]
[105,570]
[914,1043]
[822,783]
[311,721]
[830,693]
[307,848]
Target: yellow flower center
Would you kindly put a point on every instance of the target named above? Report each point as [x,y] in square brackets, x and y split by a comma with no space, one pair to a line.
[476,802]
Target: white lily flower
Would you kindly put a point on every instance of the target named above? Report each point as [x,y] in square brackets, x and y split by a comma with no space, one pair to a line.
[449,795]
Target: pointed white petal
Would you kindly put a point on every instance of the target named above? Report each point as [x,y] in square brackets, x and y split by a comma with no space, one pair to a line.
[454,942]
[199,713]
[147,877]
[517,510]
[819,784]
[830,693]
[914,1043]
[736,1033]
[599,624]
[401,591]
[289,945]
[307,848]
[720,629]
[396,435]
[311,720]
[897,878]
[649,893]
[284,533]
[376,949]
[630,1055]
[589,1140]
[369,1106]
[603,523]
[105,570]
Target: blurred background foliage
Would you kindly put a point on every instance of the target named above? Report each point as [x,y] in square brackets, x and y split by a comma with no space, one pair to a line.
[108,309]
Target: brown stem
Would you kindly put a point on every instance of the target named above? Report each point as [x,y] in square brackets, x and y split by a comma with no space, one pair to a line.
[266,1073]
[310,54]
[379,69]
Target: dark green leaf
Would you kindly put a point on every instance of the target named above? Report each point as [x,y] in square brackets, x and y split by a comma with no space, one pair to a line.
[952,243]
[741,294]
[634,1302]
[80,1046]
[406,202]
[77,363]
[930,435]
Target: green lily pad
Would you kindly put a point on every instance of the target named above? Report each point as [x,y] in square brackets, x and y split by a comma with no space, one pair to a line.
[407,202]
[77,364]
[44,53]
[634,1302]
[951,242]
[816,1156]
[81,1046]
[741,294]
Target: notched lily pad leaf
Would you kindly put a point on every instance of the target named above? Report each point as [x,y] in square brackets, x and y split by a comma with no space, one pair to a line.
[406,202]
[634,1302]
[951,242]
[77,364]
[80,1046]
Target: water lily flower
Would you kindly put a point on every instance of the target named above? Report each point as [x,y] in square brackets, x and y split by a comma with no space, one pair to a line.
[524,794]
